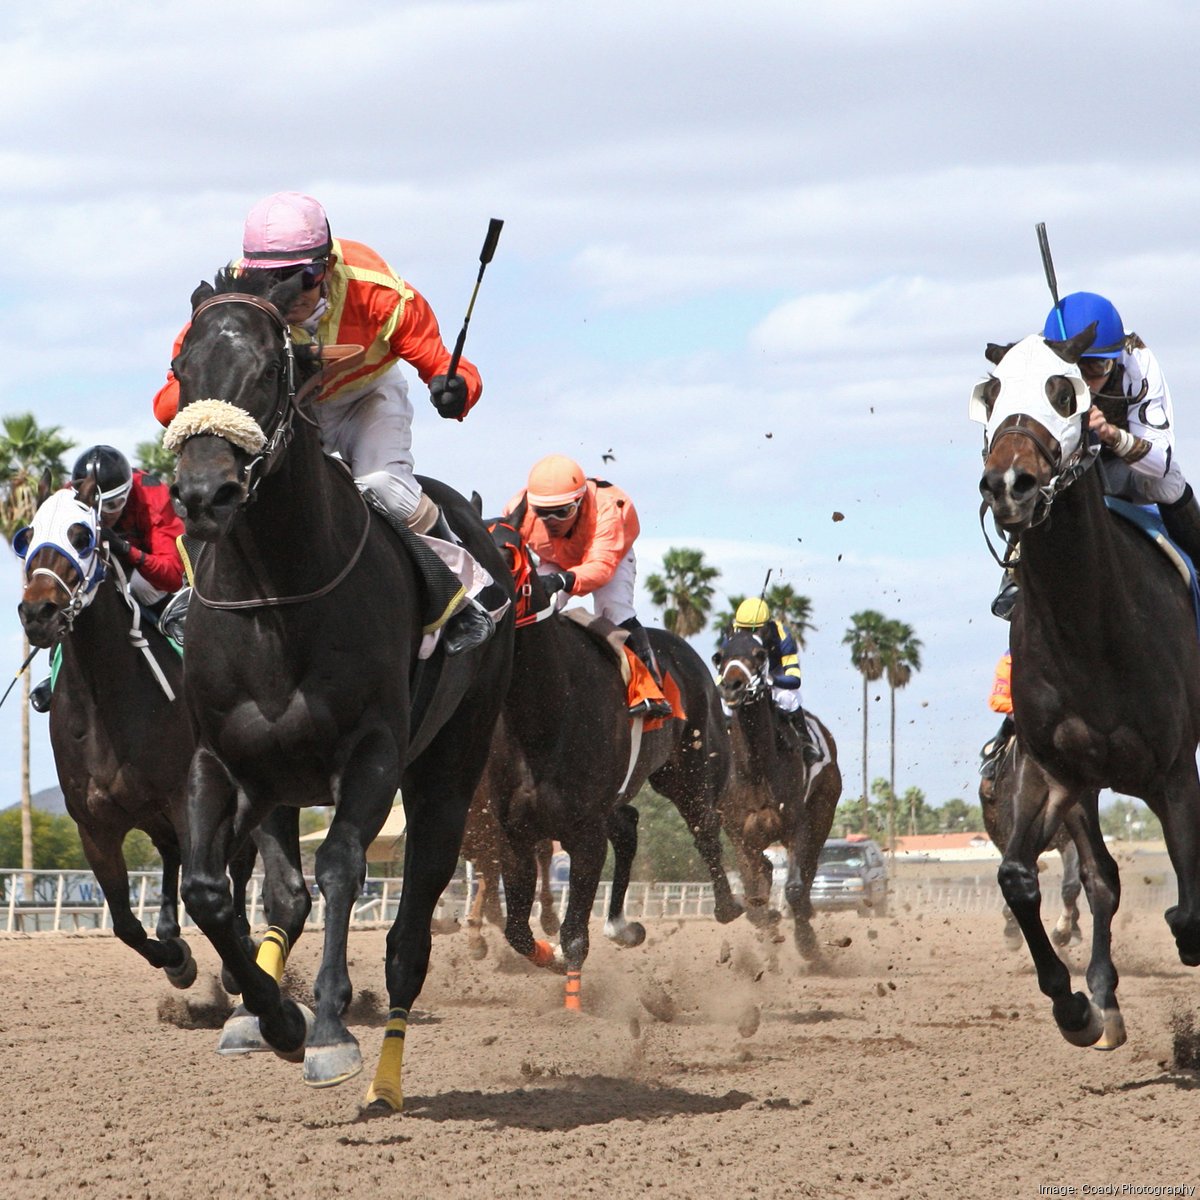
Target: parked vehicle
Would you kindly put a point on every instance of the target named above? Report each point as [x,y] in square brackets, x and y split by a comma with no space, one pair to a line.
[851,873]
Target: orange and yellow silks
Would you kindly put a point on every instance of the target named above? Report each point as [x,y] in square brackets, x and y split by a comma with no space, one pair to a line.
[1001,698]
[386,1087]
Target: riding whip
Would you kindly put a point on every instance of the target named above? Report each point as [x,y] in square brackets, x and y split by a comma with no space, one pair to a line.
[485,257]
[20,671]
[1048,264]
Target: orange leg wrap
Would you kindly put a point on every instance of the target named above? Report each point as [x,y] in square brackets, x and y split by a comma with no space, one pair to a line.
[542,954]
[571,1000]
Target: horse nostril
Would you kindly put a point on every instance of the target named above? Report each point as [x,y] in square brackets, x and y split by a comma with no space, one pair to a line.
[1023,485]
[228,495]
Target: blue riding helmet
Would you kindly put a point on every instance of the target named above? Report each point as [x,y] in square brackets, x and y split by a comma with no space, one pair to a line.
[1074,313]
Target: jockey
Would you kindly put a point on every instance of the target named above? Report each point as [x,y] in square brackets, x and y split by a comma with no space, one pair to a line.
[582,531]
[352,297]
[999,701]
[1132,418]
[139,528]
[783,663]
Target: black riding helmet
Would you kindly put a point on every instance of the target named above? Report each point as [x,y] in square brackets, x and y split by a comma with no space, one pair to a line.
[111,470]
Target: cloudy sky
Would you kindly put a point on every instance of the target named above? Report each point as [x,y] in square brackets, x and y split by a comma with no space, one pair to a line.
[755,250]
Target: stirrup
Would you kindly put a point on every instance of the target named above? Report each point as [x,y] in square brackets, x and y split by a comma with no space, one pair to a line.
[1005,600]
[810,753]
[39,696]
[174,616]
[651,708]
[467,629]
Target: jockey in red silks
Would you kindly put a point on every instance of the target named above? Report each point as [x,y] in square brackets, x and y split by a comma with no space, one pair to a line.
[352,297]
[582,531]
[140,529]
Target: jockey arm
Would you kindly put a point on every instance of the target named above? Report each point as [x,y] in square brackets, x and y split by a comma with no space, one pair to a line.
[609,545]
[784,655]
[154,551]
[1148,444]
[418,340]
[166,399]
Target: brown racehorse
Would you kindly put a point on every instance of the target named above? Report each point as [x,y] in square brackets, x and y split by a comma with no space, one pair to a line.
[305,680]
[119,731]
[1106,669]
[566,757]
[772,796]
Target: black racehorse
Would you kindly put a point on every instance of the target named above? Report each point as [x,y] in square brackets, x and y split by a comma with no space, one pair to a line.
[566,759]
[996,800]
[1106,669]
[120,734]
[305,679]
[772,795]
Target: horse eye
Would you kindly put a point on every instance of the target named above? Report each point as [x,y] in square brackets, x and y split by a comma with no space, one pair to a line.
[1061,394]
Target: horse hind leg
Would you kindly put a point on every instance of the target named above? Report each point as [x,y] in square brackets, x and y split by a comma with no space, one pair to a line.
[1066,931]
[587,860]
[548,913]
[622,833]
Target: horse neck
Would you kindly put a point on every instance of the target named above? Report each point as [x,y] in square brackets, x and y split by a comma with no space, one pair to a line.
[753,739]
[98,650]
[1070,561]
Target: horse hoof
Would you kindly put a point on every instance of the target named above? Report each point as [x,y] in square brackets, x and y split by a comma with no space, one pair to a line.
[376,1109]
[1091,1032]
[184,975]
[550,924]
[327,1066]
[626,933]
[1114,1031]
[241,1034]
[724,913]
[478,949]
[300,1053]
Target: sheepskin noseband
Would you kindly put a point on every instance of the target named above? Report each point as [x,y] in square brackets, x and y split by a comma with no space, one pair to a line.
[216,417]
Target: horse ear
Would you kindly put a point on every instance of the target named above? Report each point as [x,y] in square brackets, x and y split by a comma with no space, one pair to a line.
[716,659]
[1073,349]
[45,487]
[517,516]
[994,353]
[477,503]
[202,293]
[85,490]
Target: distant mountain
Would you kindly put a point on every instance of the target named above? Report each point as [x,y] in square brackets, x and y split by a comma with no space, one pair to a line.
[48,800]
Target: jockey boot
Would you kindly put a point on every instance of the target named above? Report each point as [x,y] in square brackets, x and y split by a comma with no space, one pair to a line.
[809,751]
[39,696]
[472,625]
[992,750]
[174,615]
[639,643]
[1182,521]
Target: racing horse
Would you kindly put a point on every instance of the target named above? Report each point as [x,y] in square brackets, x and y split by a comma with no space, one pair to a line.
[772,796]
[120,735]
[996,803]
[566,758]
[306,680]
[1106,668]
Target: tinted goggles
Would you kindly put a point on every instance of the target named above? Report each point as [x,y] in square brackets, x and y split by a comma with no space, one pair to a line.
[561,513]
[311,274]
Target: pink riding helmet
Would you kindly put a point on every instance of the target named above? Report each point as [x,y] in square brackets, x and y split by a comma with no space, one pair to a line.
[287,229]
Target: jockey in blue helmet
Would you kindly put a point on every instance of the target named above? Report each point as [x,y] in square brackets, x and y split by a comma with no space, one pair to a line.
[1131,416]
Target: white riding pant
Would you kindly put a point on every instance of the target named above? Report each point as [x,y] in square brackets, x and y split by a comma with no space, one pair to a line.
[786,699]
[143,592]
[614,600]
[371,430]
[1121,480]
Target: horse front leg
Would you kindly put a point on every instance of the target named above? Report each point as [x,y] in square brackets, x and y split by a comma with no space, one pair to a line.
[1179,812]
[1038,804]
[171,954]
[211,810]
[700,813]
[1100,876]
[802,869]
[622,826]
[587,861]
[368,788]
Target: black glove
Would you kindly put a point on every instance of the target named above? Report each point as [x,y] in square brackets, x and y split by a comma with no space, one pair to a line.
[118,547]
[449,395]
[559,581]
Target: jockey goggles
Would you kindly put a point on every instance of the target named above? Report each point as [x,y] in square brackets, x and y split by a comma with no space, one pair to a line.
[561,513]
[114,501]
[311,274]
[1095,368]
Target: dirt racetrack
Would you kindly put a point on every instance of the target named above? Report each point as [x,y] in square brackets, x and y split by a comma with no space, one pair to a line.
[924,1062]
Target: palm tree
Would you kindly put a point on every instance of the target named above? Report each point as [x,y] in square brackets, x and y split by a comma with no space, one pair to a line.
[27,453]
[866,638]
[683,591]
[901,654]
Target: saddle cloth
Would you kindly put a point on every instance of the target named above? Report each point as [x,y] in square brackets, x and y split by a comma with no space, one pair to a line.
[1146,517]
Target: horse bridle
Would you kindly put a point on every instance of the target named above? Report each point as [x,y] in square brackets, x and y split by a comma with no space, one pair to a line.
[278,431]
[1062,475]
[756,681]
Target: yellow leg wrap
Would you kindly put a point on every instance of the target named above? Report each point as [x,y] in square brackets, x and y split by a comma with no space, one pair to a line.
[571,1000]
[273,952]
[386,1087]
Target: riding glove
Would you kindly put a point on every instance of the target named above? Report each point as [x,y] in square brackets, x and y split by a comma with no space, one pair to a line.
[559,581]
[118,547]
[448,394]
